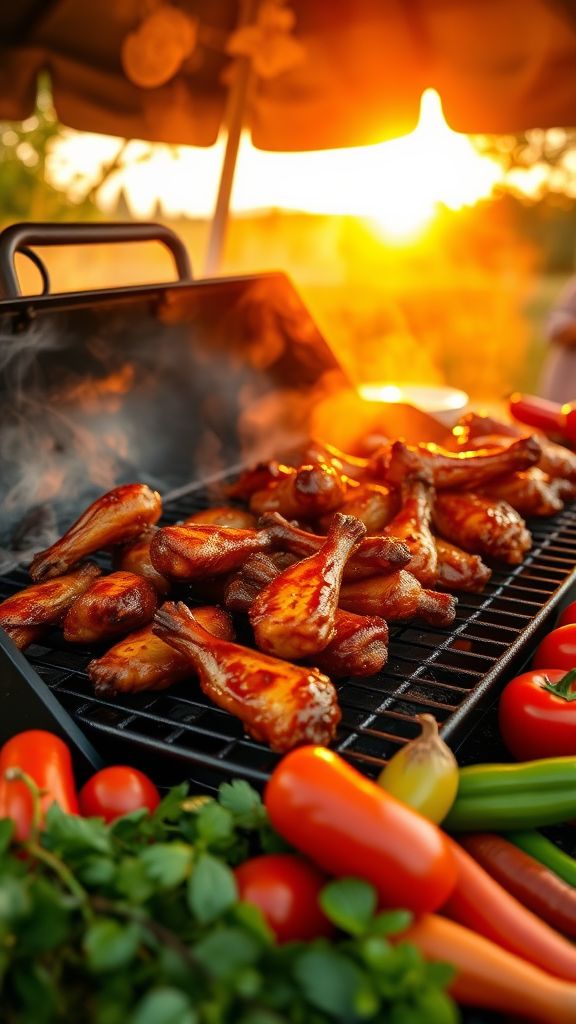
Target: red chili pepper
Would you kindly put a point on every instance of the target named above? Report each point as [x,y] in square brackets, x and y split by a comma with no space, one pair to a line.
[551,417]
[530,882]
[350,826]
[46,759]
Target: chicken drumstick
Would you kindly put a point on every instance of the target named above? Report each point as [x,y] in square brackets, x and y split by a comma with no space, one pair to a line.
[484,525]
[27,614]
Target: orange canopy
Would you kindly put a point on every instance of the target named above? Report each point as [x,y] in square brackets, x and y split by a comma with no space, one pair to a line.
[499,65]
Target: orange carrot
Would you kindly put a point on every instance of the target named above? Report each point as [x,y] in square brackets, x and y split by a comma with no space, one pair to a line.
[489,977]
[480,903]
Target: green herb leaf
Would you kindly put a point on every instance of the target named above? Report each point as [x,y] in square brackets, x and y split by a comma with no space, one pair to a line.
[170,807]
[243,802]
[48,923]
[252,918]
[95,871]
[15,899]
[214,824]
[391,922]
[211,889]
[6,833]
[331,982]
[133,881]
[226,950]
[110,945]
[71,834]
[350,904]
[167,864]
[164,1006]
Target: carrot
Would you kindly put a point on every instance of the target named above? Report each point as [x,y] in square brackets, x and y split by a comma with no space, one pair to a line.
[481,904]
[489,977]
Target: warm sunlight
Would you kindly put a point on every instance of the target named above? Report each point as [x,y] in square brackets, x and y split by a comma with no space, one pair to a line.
[398,184]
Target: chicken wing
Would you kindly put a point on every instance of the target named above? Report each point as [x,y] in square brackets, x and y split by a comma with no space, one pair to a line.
[114,604]
[197,551]
[310,492]
[141,661]
[278,703]
[461,469]
[114,518]
[293,617]
[411,525]
[488,527]
[224,515]
[355,467]
[373,504]
[555,460]
[529,492]
[27,614]
[459,570]
[135,557]
[398,597]
[258,478]
[372,554]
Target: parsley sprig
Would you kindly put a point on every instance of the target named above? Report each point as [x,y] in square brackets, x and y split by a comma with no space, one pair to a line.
[139,922]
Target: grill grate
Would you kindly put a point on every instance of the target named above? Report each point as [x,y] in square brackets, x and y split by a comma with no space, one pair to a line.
[451,674]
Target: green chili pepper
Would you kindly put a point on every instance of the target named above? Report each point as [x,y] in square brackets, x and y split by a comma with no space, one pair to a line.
[501,797]
[539,847]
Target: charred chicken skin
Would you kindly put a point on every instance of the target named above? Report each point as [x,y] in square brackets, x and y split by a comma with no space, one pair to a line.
[461,469]
[293,617]
[116,517]
[114,604]
[224,515]
[359,646]
[310,492]
[373,504]
[489,527]
[371,555]
[141,661]
[278,703]
[398,597]
[135,557]
[459,570]
[192,552]
[412,526]
[27,614]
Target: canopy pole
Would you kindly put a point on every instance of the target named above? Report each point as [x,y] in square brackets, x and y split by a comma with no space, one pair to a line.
[234,120]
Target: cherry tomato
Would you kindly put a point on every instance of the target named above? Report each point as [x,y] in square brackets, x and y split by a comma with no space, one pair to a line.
[286,889]
[537,715]
[557,650]
[568,616]
[46,759]
[115,791]
[350,826]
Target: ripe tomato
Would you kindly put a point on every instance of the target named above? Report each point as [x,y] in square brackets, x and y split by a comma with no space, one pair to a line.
[536,722]
[115,791]
[557,650]
[46,759]
[286,890]
[568,616]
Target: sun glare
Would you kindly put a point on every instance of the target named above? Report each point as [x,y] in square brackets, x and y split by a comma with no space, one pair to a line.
[397,184]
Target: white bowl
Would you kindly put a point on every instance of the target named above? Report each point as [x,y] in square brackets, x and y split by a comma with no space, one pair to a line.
[445,403]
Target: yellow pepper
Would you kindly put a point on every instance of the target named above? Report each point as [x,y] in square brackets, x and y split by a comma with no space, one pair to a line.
[424,773]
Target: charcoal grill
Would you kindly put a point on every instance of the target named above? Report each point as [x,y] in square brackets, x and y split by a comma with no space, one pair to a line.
[193,366]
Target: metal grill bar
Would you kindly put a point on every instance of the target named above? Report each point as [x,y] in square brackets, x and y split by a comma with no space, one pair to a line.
[450,673]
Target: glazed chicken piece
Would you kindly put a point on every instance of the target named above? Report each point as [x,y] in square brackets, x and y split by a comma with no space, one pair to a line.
[461,469]
[359,646]
[459,570]
[224,515]
[113,605]
[26,615]
[412,526]
[397,598]
[486,526]
[310,492]
[196,551]
[373,504]
[278,703]
[114,518]
[135,557]
[372,554]
[258,478]
[555,460]
[293,617]
[529,492]
[141,661]
[353,466]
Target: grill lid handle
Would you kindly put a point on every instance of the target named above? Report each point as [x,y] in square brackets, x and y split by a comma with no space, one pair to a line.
[18,237]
